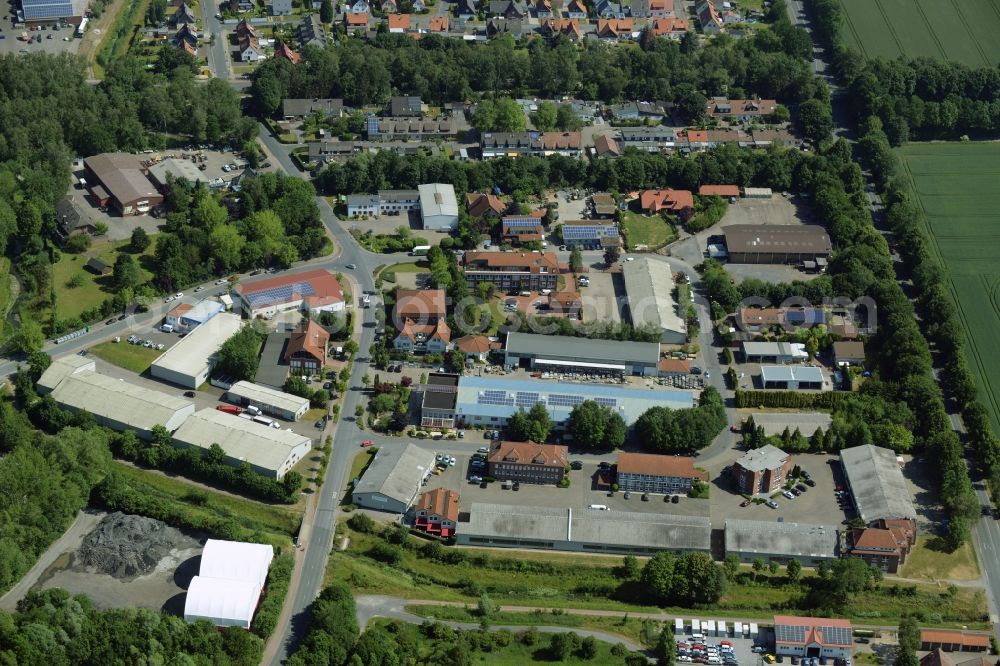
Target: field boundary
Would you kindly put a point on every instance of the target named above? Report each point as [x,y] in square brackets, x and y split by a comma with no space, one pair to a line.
[965,21]
[930,28]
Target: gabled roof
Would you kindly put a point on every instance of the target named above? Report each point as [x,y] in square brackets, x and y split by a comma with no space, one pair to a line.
[436,331]
[530,453]
[355,20]
[606,145]
[285,51]
[823,631]
[311,339]
[438,24]
[666,26]
[473,344]
[719,191]
[576,7]
[658,465]
[244,27]
[666,199]
[561,140]
[441,502]
[480,204]
[936,657]
[568,27]
[399,21]
[420,304]
[614,27]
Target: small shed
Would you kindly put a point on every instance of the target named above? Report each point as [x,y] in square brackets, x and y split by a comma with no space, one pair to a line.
[757,192]
[97,267]
[849,352]
[753,630]
[709,628]
[722,629]
[679,626]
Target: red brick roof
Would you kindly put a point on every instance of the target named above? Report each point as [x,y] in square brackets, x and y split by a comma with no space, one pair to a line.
[420,304]
[286,52]
[530,261]
[480,204]
[953,637]
[674,365]
[436,331]
[719,191]
[666,199]
[324,285]
[440,502]
[547,455]
[473,344]
[658,465]
[311,339]
[438,24]
[399,21]
[665,26]
[815,629]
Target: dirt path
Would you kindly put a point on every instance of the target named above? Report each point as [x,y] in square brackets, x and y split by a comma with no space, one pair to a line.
[96,30]
[71,539]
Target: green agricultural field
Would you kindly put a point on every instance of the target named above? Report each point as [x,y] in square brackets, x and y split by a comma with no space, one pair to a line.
[959,30]
[956,187]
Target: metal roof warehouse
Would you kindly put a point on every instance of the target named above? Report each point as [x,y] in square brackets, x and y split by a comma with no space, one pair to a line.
[587,530]
[781,541]
[876,483]
[393,478]
[269,451]
[268,400]
[189,362]
[570,353]
[649,286]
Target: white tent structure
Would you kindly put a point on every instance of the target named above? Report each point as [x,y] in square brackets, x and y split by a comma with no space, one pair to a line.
[223,602]
[229,583]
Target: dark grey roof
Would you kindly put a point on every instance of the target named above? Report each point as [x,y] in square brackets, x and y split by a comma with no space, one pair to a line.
[404,106]
[500,26]
[272,372]
[583,349]
[467,7]
[777,238]
[305,107]
[877,483]
[507,8]
[68,216]
[763,537]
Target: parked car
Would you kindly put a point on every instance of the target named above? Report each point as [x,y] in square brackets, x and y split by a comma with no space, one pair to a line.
[576,464]
[627,494]
[483,449]
[773,505]
[351,267]
[801,488]
[516,486]
[675,499]
[451,461]
[810,483]
[788,495]
[475,479]
[366,443]
[645,497]
[745,503]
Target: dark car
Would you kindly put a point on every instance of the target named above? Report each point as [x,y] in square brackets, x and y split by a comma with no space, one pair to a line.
[188,394]
[801,488]
[516,486]
[645,497]
[862,640]
[112,320]
[605,465]
[810,483]
[123,317]
[627,494]
[675,499]
[745,503]
[576,464]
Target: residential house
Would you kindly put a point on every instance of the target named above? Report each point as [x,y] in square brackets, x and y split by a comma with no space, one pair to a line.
[187,48]
[543,8]
[519,229]
[652,8]
[183,15]
[70,220]
[405,106]
[758,320]
[250,50]
[311,31]
[675,202]
[650,139]
[422,306]
[438,24]
[762,470]
[615,29]
[566,302]
[690,140]
[743,110]
[848,352]
[281,7]
[528,462]
[496,26]
[417,338]
[885,544]
[480,205]
[588,234]
[284,52]
[358,7]
[708,17]
[671,28]
[655,473]
[609,9]
[508,144]
[436,512]
[475,347]
[603,206]
[245,29]
[409,129]
[297,109]
[399,23]
[569,27]
[512,271]
[466,8]
[509,9]
[567,144]
[355,21]
[576,9]
[322,151]
[307,348]
[763,137]
[655,111]
[389,7]
[238,6]
[606,146]
[186,35]
[419,6]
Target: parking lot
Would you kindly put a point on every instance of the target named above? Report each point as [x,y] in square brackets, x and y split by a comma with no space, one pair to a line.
[60,40]
[581,493]
[601,298]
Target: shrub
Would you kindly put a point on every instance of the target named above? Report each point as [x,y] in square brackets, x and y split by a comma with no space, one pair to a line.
[384,552]
[361,522]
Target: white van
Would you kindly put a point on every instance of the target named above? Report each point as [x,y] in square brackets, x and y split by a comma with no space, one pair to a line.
[167,328]
[545,292]
[253,411]
[599,507]
[263,420]
[526,293]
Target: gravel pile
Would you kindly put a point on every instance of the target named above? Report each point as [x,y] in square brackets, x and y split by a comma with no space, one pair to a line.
[125,546]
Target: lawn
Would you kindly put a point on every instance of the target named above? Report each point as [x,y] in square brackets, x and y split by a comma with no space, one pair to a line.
[653,232]
[278,521]
[92,289]
[964,235]
[593,583]
[131,357]
[959,30]
[929,561]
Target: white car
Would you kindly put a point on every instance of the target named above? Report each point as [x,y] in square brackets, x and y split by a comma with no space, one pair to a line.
[451,461]
[222,281]
[788,494]
[629,258]
[168,299]
[179,294]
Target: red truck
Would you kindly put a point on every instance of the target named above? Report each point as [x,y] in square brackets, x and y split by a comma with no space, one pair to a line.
[229,409]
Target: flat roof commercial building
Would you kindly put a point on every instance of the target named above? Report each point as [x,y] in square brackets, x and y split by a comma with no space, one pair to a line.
[438,206]
[791,378]
[270,452]
[268,400]
[437,407]
[813,637]
[774,352]
[583,530]
[762,470]
[161,173]
[60,369]
[393,478]
[117,180]
[189,362]
[312,291]
[781,542]
[185,317]
[776,243]
[649,287]
[120,405]
[563,353]
[489,401]
[653,473]
[876,483]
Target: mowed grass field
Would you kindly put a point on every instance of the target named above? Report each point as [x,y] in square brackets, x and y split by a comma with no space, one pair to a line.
[956,187]
[960,30]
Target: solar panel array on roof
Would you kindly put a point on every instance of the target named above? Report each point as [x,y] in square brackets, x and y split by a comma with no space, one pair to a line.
[525,399]
[790,634]
[371,125]
[577,231]
[47,9]
[495,398]
[785,633]
[279,294]
[516,221]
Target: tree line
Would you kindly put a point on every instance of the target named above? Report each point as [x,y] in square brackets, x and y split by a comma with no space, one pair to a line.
[665,430]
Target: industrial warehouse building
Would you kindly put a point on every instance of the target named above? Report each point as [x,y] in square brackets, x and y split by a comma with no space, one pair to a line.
[791,378]
[562,353]
[116,180]
[821,637]
[583,530]
[162,172]
[438,206]
[876,483]
[781,542]
[774,352]
[185,317]
[189,362]
[229,583]
[117,404]
[393,478]
[270,452]
[60,369]
[312,291]
[268,400]
[777,244]
[649,286]
[490,401]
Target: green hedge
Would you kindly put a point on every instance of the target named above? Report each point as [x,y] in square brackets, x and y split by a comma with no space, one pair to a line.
[793,399]
[278,579]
